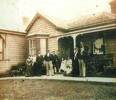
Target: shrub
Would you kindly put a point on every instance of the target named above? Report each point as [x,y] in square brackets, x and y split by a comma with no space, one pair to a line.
[18,70]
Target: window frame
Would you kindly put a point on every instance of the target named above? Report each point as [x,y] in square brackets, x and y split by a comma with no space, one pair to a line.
[32,48]
[2,53]
[103,44]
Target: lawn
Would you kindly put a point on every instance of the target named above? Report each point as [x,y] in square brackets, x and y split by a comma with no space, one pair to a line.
[36,89]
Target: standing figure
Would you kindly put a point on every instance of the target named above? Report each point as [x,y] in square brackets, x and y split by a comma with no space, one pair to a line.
[63,65]
[33,64]
[68,69]
[39,64]
[58,61]
[86,58]
[82,65]
[29,64]
[48,64]
[55,61]
[34,58]
[75,69]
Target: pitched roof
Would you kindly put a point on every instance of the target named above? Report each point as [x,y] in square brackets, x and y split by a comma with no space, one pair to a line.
[77,23]
[12,32]
[52,21]
[92,20]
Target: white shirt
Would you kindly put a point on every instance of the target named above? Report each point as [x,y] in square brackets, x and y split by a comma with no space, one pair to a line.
[75,54]
[48,54]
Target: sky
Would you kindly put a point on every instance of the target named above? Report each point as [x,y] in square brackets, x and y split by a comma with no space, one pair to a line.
[12,11]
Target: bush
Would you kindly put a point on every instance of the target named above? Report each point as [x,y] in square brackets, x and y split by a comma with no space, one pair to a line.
[18,70]
[110,72]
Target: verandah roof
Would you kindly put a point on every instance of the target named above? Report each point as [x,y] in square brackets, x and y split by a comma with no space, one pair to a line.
[80,23]
[91,21]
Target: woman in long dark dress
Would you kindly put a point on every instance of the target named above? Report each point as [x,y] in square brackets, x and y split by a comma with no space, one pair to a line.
[39,65]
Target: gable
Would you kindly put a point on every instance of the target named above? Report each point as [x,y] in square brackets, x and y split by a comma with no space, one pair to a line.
[42,26]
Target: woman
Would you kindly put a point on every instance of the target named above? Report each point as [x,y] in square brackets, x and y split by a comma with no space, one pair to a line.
[63,65]
[29,64]
[68,69]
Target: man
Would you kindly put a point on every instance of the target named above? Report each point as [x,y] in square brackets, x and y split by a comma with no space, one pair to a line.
[48,64]
[82,65]
[58,60]
[75,70]
[86,58]
[55,62]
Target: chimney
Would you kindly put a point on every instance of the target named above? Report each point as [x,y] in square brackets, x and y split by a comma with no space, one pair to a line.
[25,21]
[113,6]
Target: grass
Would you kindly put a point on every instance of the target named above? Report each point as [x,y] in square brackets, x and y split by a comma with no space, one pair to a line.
[55,90]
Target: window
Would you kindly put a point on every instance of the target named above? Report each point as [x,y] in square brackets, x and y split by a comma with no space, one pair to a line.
[43,46]
[36,45]
[99,46]
[1,49]
[32,47]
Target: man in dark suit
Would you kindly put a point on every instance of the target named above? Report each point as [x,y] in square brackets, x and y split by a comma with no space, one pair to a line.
[75,70]
[55,61]
[59,58]
[81,59]
[48,63]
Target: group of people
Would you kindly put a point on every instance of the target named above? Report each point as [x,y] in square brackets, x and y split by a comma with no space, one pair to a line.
[52,63]
[48,64]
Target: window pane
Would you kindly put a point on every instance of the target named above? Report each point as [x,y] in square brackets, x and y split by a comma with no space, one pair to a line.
[0,56]
[38,45]
[43,46]
[1,48]
[30,46]
[34,43]
[97,46]
[1,45]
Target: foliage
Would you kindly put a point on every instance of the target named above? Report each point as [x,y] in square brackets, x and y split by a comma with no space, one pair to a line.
[18,70]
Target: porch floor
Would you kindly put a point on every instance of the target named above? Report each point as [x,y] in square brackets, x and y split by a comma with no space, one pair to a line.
[66,78]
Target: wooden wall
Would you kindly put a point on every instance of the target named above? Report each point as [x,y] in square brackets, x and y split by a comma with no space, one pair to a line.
[43,26]
[110,43]
[14,51]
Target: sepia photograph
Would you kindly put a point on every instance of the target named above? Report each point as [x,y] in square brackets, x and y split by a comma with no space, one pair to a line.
[57,49]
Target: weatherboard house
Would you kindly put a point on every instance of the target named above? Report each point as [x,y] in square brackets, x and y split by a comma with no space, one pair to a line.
[12,49]
[96,31]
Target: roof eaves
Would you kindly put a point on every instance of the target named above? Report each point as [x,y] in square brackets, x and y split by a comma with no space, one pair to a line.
[32,22]
[12,32]
[48,20]
[36,17]
[91,25]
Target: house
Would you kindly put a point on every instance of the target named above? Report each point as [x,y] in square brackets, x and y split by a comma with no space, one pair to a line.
[42,34]
[95,31]
[98,32]
[12,49]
